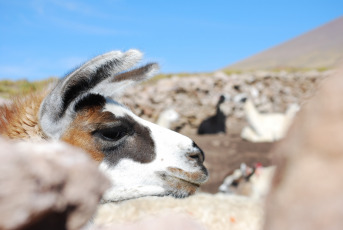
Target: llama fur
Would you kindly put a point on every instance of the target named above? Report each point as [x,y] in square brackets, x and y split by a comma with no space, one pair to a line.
[267,127]
[219,211]
[167,117]
[19,118]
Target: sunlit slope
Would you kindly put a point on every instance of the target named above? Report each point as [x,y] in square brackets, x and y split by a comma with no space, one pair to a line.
[318,48]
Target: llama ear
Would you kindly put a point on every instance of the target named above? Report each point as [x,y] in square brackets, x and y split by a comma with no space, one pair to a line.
[100,75]
[113,87]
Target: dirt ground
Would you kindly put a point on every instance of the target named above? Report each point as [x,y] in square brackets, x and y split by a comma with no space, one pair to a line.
[225,153]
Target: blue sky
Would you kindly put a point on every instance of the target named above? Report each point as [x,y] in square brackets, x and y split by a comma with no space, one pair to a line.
[49,38]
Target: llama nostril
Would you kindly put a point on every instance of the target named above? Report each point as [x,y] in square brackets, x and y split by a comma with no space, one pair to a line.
[197,154]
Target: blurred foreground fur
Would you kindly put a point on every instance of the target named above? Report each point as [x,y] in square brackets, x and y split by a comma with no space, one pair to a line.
[307,188]
[212,211]
[47,186]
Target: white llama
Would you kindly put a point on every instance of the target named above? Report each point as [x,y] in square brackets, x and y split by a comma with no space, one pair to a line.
[266,127]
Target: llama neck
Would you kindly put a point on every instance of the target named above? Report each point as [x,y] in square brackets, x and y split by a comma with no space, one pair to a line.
[19,120]
[252,115]
[219,112]
[292,110]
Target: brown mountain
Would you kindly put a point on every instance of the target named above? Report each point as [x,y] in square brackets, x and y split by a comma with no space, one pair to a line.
[318,48]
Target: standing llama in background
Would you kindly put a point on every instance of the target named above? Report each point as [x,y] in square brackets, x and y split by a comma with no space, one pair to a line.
[139,157]
[266,127]
[216,123]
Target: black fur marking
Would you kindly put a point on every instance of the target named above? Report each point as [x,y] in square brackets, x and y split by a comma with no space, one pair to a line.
[200,150]
[137,144]
[89,101]
[83,81]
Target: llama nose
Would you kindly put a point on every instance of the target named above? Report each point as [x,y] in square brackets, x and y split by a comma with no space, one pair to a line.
[197,154]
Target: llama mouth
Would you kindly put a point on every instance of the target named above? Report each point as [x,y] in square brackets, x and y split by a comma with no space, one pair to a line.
[196,178]
[182,180]
[178,187]
[178,178]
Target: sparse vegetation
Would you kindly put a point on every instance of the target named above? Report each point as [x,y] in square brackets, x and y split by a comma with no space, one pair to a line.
[161,76]
[231,71]
[165,76]
[294,69]
[10,88]
[276,70]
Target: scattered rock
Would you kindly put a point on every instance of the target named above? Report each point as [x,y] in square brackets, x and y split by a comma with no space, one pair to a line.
[195,97]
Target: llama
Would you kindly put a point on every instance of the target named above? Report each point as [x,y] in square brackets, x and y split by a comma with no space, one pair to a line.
[216,123]
[266,127]
[232,181]
[253,182]
[167,117]
[139,157]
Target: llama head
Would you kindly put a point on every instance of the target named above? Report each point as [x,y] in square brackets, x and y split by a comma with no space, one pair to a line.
[222,98]
[239,181]
[140,158]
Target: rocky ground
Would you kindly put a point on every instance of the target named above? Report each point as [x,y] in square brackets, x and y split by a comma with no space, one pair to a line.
[195,97]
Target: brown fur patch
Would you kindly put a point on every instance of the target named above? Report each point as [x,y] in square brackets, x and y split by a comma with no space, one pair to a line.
[19,120]
[79,132]
[177,184]
[192,177]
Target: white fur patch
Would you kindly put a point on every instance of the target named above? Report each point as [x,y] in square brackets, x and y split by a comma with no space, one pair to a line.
[117,109]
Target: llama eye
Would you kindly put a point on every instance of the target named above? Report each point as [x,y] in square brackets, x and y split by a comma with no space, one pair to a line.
[235,183]
[112,134]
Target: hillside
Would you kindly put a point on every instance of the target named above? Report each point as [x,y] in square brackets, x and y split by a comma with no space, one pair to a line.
[10,88]
[318,48]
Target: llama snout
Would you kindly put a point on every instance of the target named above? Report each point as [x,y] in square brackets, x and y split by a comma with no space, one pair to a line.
[196,154]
